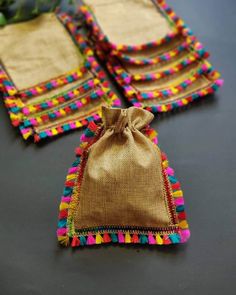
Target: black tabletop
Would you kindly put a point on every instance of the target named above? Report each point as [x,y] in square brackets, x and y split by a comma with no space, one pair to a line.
[200,143]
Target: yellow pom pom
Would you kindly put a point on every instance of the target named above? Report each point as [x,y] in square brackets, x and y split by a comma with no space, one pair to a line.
[127,238]
[78,124]
[184,101]
[54,131]
[55,102]
[99,113]
[62,112]
[216,75]
[165,164]
[64,240]
[99,239]
[12,91]
[183,224]
[39,89]
[60,82]
[27,135]
[178,194]
[71,177]
[159,239]
[19,103]
[96,81]
[15,117]
[64,206]
[31,109]
[84,100]
[164,108]
[130,92]
[137,77]
[39,120]
[76,92]
[174,90]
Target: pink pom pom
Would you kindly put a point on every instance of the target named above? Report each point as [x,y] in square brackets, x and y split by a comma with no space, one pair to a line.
[72,170]
[83,138]
[170,171]
[79,104]
[151,239]
[61,231]
[220,82]
[25,111]
[91,240]
[185,235]
[121,238]
[127,80]
[116,102]
[66,199]
[179,201]
[137,104]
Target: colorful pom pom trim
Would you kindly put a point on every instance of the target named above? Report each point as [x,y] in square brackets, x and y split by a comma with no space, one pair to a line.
[129,78]
[110,54]
[137,98]
[28,116]
[167,56]
[104,93]
[179,29]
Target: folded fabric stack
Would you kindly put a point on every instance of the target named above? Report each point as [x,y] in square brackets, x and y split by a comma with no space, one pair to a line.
[50,81]
[154,57]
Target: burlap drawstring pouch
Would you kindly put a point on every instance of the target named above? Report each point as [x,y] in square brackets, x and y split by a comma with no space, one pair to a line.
[120,188]
[49,77]
[154,57]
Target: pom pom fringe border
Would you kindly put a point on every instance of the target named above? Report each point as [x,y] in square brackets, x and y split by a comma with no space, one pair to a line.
[18,111]
[123,79]
[66,235]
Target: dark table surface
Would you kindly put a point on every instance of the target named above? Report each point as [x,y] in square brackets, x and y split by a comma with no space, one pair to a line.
[201,145]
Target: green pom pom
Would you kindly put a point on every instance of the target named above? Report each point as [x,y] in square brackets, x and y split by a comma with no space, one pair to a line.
[143,239]
[3,20]
[82,240]
[114,238]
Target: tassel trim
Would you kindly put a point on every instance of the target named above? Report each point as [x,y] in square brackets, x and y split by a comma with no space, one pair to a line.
[179,29]
[137,99]
[19,112]
[161,58]
[109,97]
[103,49]
[61,112]
[61,98]
[9,88]
[128,78]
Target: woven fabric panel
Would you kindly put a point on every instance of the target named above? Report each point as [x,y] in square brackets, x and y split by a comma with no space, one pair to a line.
[122,184]
[38,50]
[130,21]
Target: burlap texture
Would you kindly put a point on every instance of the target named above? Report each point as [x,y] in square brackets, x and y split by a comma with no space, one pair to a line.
[37,51]
[132,22]
[122,184]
